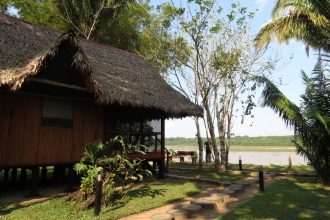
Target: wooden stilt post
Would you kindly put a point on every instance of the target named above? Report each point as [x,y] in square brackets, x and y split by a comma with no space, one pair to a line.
[34,182]
[6,175]
[22,175]
[61,172]
[261,180]
[98,195]
[43,174]
[13,175]
[162,161]
[70,179]
[240,163]
[55,174]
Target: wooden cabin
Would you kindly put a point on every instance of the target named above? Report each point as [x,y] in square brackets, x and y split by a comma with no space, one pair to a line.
[59,92]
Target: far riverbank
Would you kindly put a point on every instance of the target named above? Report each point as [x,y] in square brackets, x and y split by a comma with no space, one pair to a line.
[239,148]
[259,155]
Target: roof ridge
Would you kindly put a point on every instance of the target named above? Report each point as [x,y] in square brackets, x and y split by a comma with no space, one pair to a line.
[112,47]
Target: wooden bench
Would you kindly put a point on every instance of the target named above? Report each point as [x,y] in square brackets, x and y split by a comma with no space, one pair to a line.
[182,154]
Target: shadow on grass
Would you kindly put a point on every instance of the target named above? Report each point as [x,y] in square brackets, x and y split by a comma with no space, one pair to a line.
[142,197]
[293,198]
[6,209]
[143,191]
[208,174]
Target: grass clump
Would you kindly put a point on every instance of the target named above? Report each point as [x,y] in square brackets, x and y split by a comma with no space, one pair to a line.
[291,198]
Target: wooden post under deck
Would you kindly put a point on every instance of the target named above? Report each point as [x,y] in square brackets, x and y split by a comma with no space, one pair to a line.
[162,140]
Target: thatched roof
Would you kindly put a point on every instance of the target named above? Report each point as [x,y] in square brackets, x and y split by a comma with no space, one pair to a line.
[114,75]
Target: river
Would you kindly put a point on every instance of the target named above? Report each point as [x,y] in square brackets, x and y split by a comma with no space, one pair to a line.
[266,158]
[262,157]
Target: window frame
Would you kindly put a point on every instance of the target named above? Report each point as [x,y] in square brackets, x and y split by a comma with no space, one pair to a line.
[57,122]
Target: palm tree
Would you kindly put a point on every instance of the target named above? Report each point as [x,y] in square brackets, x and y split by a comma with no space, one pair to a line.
[311,121]
[304,20]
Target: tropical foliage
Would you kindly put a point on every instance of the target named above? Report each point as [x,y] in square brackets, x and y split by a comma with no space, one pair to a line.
[311,121]
[110,161]
[304,20]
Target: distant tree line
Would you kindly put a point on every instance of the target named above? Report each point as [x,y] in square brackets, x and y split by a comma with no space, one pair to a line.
[237,141]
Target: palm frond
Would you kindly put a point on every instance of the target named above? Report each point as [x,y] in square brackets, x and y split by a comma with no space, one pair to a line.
[275,99]
[299,27]
[302,24]
[285,6]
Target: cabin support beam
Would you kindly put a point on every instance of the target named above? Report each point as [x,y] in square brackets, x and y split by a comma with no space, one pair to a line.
[34,182]
[43,174]
[70,179]
[13,175]
[22,176]
[162,161]
[5,176]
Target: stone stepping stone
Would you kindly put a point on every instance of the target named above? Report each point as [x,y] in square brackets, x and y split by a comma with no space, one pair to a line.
[204,203]
[179,214]
[192,207]
[214,198]
[230,193]
[233,191]
[224,183]
[210,188]
[237,188]
[245,183]
[252,181]
[162,216]
[224,196]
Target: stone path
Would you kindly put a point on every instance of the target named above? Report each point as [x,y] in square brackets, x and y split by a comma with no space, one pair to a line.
[217,198]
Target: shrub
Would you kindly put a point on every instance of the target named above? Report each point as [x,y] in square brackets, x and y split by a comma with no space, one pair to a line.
[117,171]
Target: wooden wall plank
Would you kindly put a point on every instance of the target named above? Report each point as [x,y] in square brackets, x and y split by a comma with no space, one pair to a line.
[22,131]
[4,123]
[24,142]
[88,127]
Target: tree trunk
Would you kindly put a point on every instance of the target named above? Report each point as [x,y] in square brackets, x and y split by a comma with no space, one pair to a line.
[212,136]
[208,138]
[230,110]
[200,144]
[227,151]
[221,129]
[228,138]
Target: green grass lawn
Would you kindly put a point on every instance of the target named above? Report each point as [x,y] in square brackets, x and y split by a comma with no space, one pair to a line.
[292,198]
[138,199]
[253,167]
[208,173]
[275,168]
